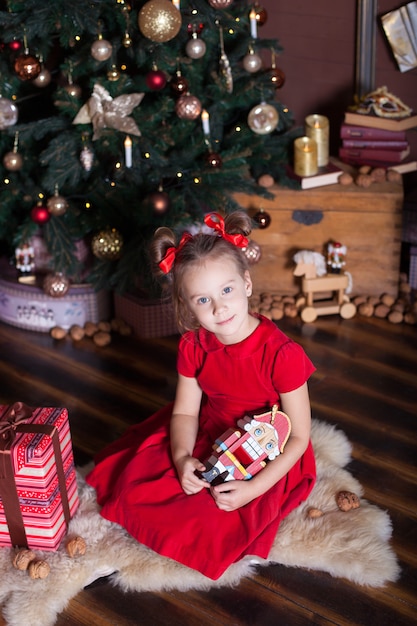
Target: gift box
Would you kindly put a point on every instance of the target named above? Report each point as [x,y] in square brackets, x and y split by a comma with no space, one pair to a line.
[38,488]
[148,317]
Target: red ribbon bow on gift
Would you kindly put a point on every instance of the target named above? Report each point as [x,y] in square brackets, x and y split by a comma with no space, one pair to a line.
[213,220]
[17,413]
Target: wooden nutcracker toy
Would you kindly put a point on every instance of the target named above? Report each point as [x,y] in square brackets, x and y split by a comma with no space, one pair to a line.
[242,452]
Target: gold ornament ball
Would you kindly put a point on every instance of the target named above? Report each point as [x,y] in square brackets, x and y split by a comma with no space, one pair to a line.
[188,107]
[159,20]
[107,245]
[57,205]
[27,67]
[113,74]
[56,285]
[12,161]
[101,50]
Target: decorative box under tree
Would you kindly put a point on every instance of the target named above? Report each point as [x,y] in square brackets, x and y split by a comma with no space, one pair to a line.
[367,220]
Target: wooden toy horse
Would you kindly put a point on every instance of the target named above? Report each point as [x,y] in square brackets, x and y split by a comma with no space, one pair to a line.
[316,284]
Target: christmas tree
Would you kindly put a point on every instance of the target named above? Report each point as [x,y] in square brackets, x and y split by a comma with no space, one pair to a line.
[120,116]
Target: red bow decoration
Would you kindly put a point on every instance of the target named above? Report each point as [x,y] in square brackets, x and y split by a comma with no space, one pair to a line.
[215,221]
[17,413]
[169,258]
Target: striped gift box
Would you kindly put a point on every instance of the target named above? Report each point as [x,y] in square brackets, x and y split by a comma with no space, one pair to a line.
[44,478]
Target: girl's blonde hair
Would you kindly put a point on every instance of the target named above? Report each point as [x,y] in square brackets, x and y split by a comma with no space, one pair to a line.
[193,252]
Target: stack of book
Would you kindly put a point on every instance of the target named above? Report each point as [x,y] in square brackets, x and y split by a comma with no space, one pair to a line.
[375,141]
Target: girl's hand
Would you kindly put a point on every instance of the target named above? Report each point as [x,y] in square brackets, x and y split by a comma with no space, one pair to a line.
[233,494]
[190,483]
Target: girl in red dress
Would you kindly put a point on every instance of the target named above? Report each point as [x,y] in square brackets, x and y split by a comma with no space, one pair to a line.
[230,363]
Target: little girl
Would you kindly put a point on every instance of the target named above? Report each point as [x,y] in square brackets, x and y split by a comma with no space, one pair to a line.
[230,363]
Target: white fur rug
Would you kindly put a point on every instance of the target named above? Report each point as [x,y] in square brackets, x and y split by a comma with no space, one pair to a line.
[353,545]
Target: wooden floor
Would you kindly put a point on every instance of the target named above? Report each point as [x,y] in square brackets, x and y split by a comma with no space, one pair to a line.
[366,382]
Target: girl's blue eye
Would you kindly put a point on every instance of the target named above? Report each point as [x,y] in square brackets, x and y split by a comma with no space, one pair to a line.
[202,300]
[227,289]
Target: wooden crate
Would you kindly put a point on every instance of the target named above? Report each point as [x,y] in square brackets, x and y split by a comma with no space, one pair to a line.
[368,221]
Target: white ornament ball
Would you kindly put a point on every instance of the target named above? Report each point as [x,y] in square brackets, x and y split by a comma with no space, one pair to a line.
[195,48]
[12,161]
[263,118]
[8,113]
[252,62]
[101,50]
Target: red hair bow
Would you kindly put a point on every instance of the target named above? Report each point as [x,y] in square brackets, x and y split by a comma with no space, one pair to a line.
[169,258]
[215,221]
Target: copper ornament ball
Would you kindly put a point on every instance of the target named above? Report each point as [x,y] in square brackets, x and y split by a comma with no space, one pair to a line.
[262,218]
[252,252]
[277,77]
[27,67]
[214,160]
[43,79]
[12,161]
[56,285]
[73,90]
[159,200]
[159,20]
[220,4]
[179,84]
[261,14]
[101,50]
[188,107]
[107,245]
[57,205]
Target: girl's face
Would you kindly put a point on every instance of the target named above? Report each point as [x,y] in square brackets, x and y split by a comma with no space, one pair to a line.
[217,295]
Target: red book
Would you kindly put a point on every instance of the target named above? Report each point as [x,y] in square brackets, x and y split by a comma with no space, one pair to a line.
[381,156]
[348,131]
[364,144]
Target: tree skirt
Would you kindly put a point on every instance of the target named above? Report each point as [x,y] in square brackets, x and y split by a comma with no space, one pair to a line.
[352,545]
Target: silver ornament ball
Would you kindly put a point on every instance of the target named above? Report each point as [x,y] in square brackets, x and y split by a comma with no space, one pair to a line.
[101,50]
[196,48]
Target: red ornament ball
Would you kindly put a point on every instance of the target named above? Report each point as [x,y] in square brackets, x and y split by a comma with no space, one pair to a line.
[156,80]
[15,45]
[179,84]
[277,77]
[214,160]
[27,67]
[262,218]
[40,214]
[159,201]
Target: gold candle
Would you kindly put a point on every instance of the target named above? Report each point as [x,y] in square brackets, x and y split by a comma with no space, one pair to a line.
[305,156]
[317,127]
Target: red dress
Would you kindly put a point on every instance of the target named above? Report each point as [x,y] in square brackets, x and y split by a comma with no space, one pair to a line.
[136,481]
